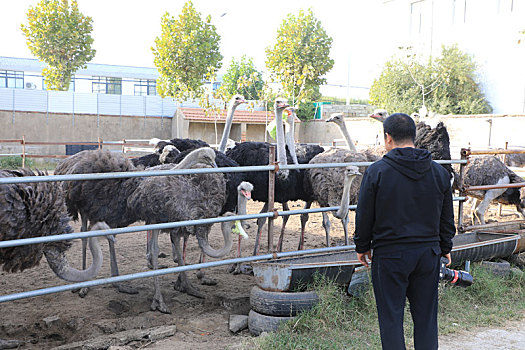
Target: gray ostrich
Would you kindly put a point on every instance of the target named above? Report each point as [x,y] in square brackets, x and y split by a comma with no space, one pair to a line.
[489,170]
[34,210]
[179,198]
[244,193]
[100,200]
[328,184]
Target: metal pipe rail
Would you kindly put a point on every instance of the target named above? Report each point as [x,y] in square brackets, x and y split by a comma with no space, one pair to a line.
[469,152]
[169,225]
[123,175]
[44,291]
[491,187]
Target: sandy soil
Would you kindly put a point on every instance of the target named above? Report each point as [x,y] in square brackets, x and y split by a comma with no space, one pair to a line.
[63,318]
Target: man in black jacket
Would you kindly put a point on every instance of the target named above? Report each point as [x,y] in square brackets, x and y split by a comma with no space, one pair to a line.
[405,216]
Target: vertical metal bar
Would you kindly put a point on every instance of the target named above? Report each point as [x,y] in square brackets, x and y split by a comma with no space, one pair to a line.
[461,180]
[271,196]
[23,151]
[99,143]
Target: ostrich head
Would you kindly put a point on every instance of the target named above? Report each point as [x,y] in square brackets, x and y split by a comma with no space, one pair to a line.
[245,188]
[337,118]
[230,144]
[236,100]
[166,151]
[379,114]
[352,171]
[281,103]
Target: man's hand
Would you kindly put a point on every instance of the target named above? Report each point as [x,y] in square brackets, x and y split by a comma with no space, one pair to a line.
[362,257]
[446,256]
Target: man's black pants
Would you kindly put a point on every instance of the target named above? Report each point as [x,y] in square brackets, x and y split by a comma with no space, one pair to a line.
[414,274]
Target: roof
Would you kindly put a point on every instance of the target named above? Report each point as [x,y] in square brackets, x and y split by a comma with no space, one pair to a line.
[253,117]
[94,69]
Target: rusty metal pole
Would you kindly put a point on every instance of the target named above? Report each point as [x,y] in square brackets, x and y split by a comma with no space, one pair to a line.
[23,151]
[271,195]
[461,182]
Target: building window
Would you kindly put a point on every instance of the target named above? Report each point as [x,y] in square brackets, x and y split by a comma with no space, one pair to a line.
[106,85]
[11,79]
[71,84]
[145,87]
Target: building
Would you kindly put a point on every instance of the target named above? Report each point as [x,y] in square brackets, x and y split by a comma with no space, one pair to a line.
[488,30]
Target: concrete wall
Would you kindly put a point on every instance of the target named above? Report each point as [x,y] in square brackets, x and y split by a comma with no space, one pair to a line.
[464,131]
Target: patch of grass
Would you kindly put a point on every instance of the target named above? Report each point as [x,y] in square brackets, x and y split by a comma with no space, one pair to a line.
[342,322]
[14,162]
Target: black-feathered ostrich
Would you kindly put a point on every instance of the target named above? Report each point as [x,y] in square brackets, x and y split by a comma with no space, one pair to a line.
[160,156]
[178,198]
[301,154]
[490,170]
[288,183]
[34,210]
[100,200]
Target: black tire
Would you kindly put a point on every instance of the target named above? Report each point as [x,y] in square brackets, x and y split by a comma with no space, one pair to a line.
[258,323]
[281,303]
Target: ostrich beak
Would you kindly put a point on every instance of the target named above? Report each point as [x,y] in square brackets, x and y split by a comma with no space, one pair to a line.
[376,117]
[283,105]
[330,120]
[247,194]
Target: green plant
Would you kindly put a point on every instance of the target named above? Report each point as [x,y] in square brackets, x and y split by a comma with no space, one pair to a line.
[186,53]
[14,162]
[446,84]
[242,78]
[59,35]
[300,57]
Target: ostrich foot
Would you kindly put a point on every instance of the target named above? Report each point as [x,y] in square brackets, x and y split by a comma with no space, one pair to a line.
[238,269]
[204,280]
[125,288]
[184,286]
[158,304]
[82,292]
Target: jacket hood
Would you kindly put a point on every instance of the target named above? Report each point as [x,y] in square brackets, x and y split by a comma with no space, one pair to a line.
[411,162]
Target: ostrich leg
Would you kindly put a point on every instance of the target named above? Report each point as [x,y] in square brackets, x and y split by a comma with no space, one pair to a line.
[182,284]
[345,221]
[485,203]
[326,225]
[285,220]
[82,292]
[260,224]
[121,287]
[158,300]
[204,280]
[304,220]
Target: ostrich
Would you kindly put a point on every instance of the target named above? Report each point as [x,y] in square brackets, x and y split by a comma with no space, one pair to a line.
[288,183]
[100,200]
[38,209]
[164,155]
[434,139]
[489,170]
[179,198]
[235,101]
[301,154]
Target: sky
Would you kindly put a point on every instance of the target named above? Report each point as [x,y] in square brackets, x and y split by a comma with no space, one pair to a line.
[124,32]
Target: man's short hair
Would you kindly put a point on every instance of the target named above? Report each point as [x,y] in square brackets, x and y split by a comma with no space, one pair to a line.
[401,127]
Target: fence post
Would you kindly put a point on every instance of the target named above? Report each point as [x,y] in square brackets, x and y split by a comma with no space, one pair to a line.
[461,183]
[500,206]
[271,195]
[23,151]
[99,143]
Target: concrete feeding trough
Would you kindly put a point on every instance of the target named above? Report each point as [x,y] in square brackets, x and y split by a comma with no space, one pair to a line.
[282,275]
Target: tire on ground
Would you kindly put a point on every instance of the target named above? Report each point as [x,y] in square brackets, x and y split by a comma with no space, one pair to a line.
[258,323]
[281,303]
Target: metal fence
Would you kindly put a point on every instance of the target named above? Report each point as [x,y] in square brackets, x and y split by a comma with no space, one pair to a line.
[271,214]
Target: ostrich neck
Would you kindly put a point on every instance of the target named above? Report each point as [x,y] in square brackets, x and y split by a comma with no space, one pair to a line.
[186,163]
[345,199]
[241,204]
[290,138]
[227,127]
[347,137]
[279,135]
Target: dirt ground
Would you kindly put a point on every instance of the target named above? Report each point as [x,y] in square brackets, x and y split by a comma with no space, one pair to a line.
[64,318]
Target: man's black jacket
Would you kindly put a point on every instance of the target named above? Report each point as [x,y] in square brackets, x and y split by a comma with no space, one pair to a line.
[405,201]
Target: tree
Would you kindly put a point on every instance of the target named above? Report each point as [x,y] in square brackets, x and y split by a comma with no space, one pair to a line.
[186,53]
[59,35]
[300,57]
[445,85]
[242,78]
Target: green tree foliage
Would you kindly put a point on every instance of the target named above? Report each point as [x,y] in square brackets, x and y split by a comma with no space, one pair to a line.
[445,85]
[59,35]
[300,57]
[242,78]
[186,53]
